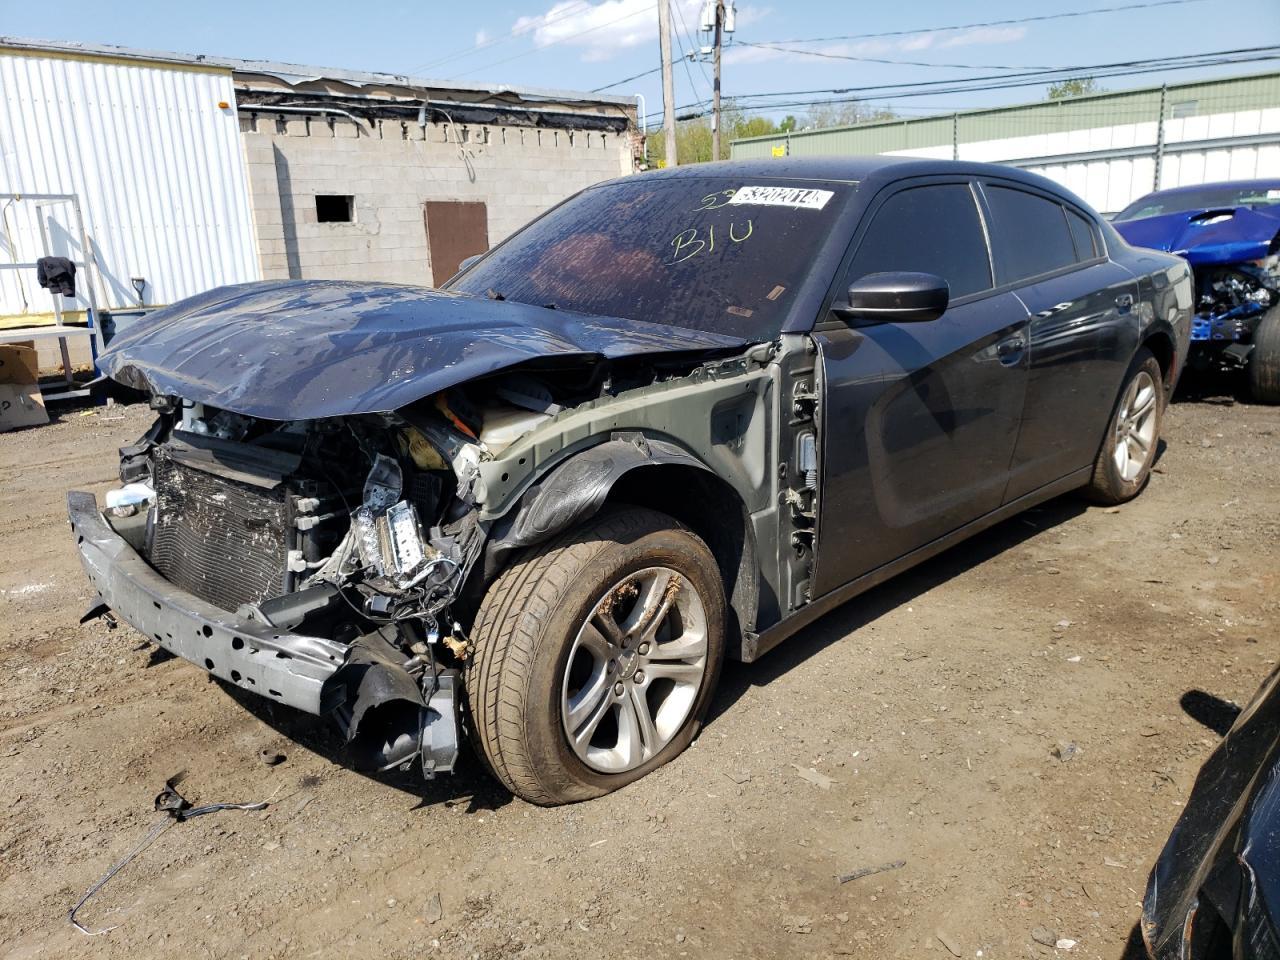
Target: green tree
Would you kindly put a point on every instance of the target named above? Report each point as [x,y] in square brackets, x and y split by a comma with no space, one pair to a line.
[822,115]
[1079,87]
[693,137]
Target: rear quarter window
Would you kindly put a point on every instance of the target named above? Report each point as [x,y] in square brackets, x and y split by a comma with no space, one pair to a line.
[1082,233]
[1029,234]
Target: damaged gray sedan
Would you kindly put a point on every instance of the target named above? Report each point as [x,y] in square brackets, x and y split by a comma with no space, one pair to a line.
[673,420]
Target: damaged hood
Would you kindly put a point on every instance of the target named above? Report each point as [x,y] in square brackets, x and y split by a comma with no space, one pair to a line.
[306,349]
[1207,237]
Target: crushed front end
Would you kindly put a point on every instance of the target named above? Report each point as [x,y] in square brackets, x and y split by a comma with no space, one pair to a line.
[1234,253]
[1230,301]
[315,563]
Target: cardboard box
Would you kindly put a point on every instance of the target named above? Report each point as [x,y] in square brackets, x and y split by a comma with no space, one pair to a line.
[19,363]
[21,405]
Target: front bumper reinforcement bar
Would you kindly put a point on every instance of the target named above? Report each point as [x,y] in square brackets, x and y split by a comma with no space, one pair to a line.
[285,667]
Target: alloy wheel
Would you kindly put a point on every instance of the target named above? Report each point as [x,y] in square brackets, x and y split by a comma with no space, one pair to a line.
[1135,427]
[634,670]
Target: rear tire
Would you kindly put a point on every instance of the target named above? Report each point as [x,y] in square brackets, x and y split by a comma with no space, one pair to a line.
[596,656]
[1264,361]
[1133,434]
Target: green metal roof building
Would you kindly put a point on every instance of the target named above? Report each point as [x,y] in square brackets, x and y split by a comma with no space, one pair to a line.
[1106,147]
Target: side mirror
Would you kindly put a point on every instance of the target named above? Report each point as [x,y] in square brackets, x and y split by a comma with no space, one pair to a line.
[898,297]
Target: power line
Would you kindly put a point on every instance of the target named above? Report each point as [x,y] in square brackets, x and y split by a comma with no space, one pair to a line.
[1172,61]
[1005,82]
[899,63]
[944,29]
[776,105]
[997,23]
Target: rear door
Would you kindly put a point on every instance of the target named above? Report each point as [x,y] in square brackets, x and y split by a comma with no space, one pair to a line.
[919,420]
[1082,331]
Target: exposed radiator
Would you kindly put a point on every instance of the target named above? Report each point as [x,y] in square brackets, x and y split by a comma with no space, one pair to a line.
[218,538]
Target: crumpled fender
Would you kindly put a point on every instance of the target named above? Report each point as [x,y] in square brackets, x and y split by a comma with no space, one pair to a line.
[577,488]
[1207,237]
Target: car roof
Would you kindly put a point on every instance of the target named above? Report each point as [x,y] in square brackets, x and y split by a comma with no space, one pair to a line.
[1266,184]
[849,169]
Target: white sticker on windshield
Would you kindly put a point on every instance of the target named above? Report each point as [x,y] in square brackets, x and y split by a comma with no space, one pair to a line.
[803,198]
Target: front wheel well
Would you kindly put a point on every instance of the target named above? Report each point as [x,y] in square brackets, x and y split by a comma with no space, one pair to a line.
[712,509]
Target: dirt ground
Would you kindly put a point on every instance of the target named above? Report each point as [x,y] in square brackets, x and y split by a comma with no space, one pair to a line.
[917,724]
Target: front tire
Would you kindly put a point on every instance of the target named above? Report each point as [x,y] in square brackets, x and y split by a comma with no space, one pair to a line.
[596,656]
[1128,450]
[1264,360]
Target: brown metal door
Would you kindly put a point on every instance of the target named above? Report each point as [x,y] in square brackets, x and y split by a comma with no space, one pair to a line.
[455,230]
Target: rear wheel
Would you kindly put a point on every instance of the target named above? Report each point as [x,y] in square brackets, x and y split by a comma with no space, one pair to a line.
[1129,448]
[1264,360]
[596,657]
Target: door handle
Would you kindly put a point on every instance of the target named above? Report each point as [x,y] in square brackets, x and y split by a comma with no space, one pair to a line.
[1124,302]
[1011,348]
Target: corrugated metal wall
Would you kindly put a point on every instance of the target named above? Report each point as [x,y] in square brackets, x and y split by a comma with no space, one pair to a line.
[1101,146]
[157,164]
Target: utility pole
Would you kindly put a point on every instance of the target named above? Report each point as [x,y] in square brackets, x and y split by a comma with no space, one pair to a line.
[715,87]
[668,82]
[1164,94]
[717,15]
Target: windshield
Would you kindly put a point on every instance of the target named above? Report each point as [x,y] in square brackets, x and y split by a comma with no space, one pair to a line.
[1208,198]
[710,253]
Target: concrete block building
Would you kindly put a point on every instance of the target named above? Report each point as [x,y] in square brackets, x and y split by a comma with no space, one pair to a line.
[376,178]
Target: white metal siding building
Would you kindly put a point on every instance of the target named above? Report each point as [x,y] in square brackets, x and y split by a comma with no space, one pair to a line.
[154,152]
[1104,147]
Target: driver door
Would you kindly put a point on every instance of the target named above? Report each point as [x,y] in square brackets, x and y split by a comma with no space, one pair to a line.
[918,420]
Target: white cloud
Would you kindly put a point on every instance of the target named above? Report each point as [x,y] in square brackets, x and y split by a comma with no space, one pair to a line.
[886,48]
[482,37]
[602,29]
[984,36]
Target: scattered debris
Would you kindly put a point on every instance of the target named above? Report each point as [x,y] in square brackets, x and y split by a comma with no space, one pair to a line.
[433,912]
[271,758]
[1065,944]
[458,646]
[820,780]
[1064,750]
[948,943]
[738,776]
[1108,862]
[870,871]
[795,924]
[1148,732]
[1074,659]
[177,809]
[1044,936]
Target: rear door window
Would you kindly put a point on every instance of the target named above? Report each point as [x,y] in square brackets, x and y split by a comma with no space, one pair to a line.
[935,229]
[1029,233]
[1082,234]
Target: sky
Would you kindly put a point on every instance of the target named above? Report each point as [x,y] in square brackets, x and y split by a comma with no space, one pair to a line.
[588,44]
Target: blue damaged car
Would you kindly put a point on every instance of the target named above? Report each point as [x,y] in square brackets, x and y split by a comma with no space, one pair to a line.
[1230,234]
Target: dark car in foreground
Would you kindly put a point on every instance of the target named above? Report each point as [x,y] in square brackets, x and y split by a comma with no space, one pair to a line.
[673,420]
[1230,234]
[1214,893]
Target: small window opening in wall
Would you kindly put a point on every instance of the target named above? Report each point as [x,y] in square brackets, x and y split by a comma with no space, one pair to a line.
[333,208]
